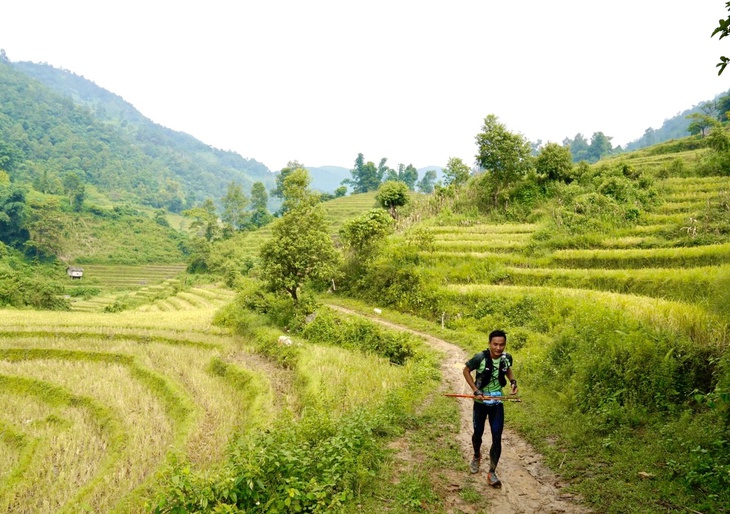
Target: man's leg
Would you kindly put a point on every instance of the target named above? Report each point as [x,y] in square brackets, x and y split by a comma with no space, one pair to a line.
[496,424]
[479,419]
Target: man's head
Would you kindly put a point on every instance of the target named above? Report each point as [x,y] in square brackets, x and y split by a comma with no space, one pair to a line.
[497,342]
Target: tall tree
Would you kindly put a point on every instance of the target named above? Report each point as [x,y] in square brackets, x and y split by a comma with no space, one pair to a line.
[300,248]
[234,207]
[505,156]
[46,229]
[722,105]
[281,176]
[425,185]
[75,190]
[205,220]
[409,176]
[384,171]
[600,146]
[365,175]
[579,147]
[260,215]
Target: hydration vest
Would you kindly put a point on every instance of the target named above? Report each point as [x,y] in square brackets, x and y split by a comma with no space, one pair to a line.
[485,376]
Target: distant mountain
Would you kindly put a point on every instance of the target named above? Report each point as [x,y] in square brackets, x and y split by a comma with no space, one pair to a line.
[438,169]
[326,179]
[155,165]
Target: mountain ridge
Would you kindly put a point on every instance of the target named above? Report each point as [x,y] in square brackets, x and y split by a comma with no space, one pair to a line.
[201,170]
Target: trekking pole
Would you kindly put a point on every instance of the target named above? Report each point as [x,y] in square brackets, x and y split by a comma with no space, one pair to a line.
[486,397]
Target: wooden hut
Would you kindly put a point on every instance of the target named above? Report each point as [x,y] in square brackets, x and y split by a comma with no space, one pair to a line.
[75,272]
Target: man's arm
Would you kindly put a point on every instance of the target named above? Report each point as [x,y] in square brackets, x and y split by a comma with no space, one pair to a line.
[512,380]
[469,379]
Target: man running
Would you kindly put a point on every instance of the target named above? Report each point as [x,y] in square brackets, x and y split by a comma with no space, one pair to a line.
[493,367]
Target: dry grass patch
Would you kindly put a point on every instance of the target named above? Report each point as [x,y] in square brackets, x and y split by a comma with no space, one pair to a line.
[151,391]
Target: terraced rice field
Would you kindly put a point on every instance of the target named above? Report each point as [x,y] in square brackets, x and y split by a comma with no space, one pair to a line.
[635,261]
[93,407]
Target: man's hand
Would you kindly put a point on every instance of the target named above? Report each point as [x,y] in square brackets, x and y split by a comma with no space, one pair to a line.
[513,383]
[478,392]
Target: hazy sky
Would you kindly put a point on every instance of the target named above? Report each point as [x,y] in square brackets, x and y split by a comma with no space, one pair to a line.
[320,81]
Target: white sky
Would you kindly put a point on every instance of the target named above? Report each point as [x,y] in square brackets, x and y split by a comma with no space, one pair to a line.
[319,81]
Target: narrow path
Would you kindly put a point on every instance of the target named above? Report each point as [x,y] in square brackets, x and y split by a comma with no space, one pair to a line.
[528,486]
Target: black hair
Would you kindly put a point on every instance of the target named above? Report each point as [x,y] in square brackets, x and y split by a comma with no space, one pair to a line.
[497,333]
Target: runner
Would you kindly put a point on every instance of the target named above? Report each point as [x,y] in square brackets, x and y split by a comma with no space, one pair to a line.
[493,367]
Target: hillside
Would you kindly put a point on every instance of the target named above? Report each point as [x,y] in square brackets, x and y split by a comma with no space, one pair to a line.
[612,289]
[55,123]
[672,128]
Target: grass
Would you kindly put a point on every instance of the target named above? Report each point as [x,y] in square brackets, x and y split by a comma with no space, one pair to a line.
[693,285]
[688,320]
[639,258]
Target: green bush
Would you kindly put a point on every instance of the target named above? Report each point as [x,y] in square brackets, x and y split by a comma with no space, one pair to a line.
[355,333]
[315,465]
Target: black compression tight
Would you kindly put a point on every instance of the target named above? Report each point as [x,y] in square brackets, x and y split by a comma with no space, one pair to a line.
[495,413]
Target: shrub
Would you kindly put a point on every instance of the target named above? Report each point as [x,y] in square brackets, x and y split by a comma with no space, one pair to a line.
[355,333]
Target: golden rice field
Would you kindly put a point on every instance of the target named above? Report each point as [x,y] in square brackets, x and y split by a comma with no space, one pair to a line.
[94,406]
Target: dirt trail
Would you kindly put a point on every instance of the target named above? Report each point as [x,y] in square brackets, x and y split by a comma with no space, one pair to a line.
[527,485]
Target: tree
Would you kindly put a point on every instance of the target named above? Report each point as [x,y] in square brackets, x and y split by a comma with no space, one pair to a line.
[234,207]
[75,190]
[700,123]
[281,176]
[554,162]
[13,211]
[363,235]
[600,146]
[260,215]
[425,185]
[391,195]
[505,156]
[722,106]
[161,218]
[365,175]
[385,171]
[578,147]
[718,140]
[456,172]
[723,28]
[45,229]
[205,220]
[300,248]
[340,191]
[9,155]
[408,175]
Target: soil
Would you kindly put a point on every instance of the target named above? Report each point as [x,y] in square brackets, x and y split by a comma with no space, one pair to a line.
[528,486]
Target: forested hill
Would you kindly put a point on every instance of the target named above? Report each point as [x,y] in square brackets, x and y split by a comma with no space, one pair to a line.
[54,123]
[677,126]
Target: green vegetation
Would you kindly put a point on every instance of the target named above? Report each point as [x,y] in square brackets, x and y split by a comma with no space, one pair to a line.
[610,276]
[58,123]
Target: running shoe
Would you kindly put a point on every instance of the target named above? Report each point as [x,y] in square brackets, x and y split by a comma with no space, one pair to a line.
[474,466]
